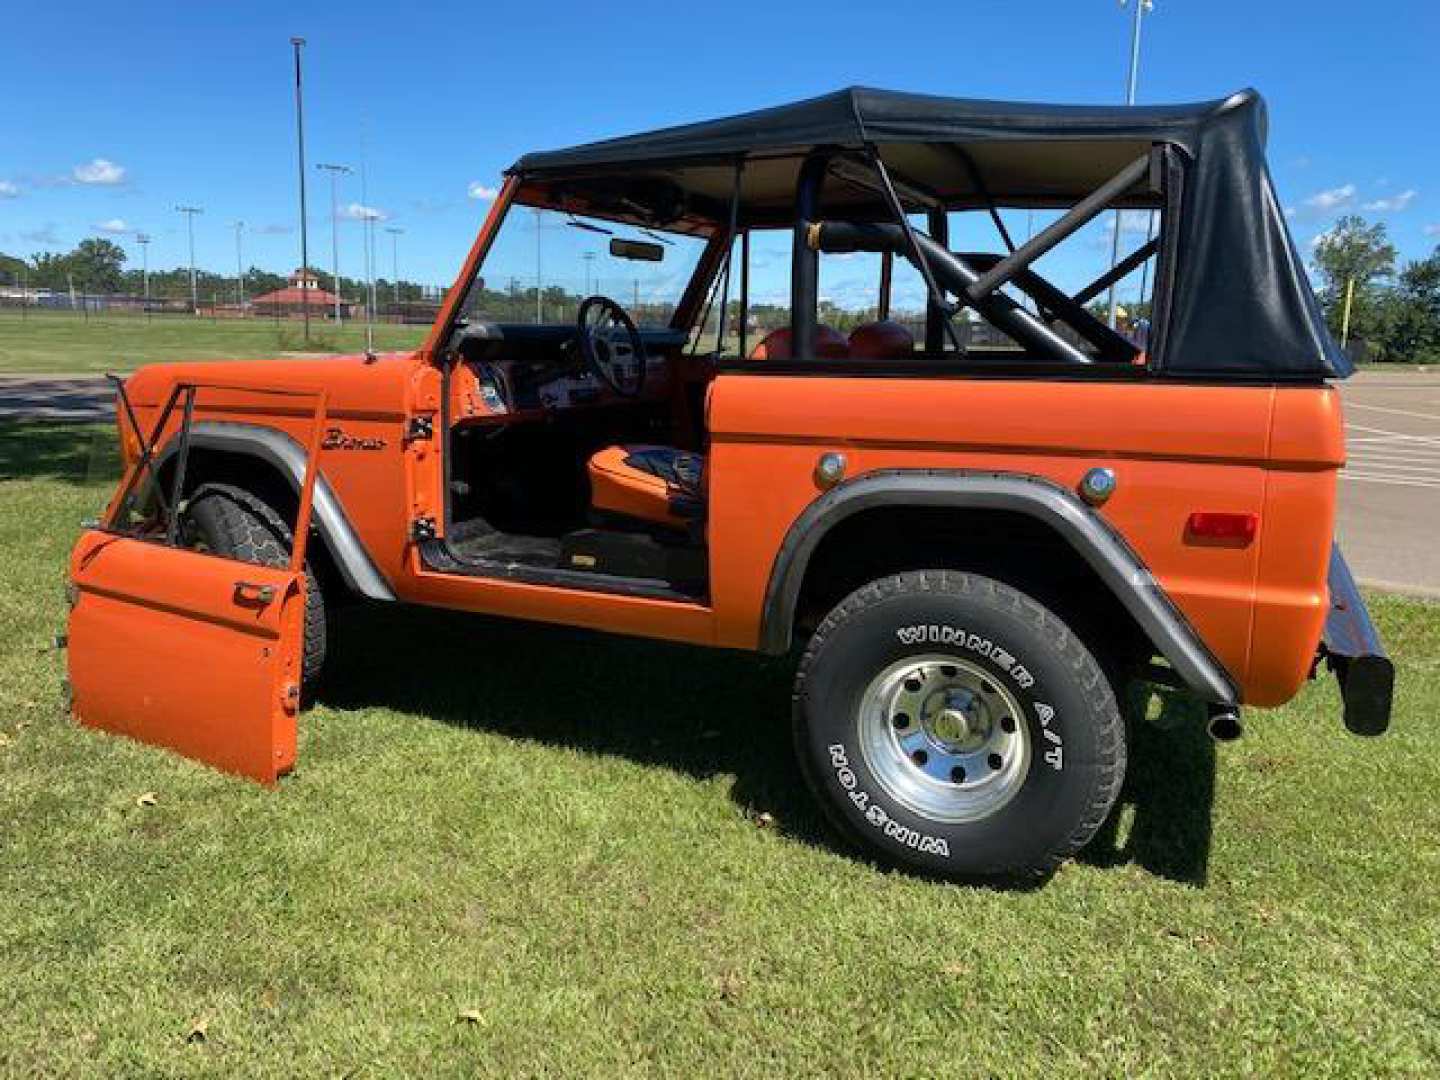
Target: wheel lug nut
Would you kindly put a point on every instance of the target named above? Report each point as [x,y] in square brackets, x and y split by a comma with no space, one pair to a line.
[949,671]
[957,774]
[901,720]
[1007,724]
[920,757]
[995,761]
[912,684]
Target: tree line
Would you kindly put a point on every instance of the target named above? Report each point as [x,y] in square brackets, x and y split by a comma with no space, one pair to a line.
[1393,310]
[101,266]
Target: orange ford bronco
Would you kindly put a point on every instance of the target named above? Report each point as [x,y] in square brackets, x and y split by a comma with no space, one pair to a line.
[735,384]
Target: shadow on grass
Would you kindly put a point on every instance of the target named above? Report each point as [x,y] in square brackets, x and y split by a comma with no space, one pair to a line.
[701,712]
[77,453]
[1169,795]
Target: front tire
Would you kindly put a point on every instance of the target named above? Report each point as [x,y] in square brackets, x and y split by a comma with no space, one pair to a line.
[953,726]
[237,524]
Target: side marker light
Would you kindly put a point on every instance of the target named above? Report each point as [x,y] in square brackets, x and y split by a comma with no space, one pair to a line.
[1239,529]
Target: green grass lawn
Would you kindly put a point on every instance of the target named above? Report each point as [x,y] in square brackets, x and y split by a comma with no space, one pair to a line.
[600,850]
[62,343]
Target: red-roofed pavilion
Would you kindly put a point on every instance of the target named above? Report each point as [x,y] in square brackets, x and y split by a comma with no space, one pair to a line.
[302,292]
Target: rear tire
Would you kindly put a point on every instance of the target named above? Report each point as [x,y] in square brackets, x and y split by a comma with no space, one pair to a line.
[953,726]
[237,524]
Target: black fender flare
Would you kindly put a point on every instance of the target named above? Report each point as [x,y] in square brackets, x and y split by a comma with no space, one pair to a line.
[287,457]
[1102,548]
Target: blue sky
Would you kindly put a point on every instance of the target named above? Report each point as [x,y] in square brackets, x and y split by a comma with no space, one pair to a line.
[111,115]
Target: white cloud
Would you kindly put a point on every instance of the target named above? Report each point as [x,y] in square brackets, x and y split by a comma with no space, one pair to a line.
[9,189]
[99,171]
[1332,198]
[1289,211]
[1432,230]
[1394,202]
[273,230]
[477,190]
[359,212]
[115,227]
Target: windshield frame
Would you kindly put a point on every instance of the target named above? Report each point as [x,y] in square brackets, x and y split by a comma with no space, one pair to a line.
[511,198]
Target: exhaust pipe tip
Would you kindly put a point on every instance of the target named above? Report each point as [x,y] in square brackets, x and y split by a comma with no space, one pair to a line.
[1225,724]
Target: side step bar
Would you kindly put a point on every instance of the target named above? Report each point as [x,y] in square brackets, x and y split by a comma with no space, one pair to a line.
[1353,651]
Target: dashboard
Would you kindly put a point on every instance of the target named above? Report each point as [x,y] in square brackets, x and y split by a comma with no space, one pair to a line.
[509,369]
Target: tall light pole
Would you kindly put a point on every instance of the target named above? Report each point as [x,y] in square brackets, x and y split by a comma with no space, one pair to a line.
[539,275]
[335,171]
[239,270]
[190,212]
[143,239]
[395,258]
[298,43]
[1137,14]
[589,258]
[368,237]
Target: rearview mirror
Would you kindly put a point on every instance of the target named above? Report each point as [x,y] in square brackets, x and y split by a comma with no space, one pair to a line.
[638,250]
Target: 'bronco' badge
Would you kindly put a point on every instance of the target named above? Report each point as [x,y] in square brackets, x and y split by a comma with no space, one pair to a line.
[336,439]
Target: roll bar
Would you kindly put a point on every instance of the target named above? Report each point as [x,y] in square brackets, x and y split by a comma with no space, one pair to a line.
[1071,221]
[954,272]
[936,263]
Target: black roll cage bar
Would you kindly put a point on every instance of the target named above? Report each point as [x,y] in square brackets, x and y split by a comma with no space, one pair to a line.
[974,284]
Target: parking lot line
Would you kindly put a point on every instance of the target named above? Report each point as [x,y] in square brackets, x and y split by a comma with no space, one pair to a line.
[1394,481]
[1394,412]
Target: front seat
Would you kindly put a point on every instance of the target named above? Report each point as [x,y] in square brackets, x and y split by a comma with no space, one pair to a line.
[656,484]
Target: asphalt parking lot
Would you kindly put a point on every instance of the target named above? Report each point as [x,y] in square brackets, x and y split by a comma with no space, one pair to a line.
[1389,491]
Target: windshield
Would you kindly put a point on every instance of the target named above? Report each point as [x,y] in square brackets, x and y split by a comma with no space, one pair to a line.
[543,263]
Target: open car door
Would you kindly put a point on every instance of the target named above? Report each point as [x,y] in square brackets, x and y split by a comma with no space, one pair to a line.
[182,648]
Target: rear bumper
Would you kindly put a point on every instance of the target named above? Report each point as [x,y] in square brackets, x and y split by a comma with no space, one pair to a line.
[1351,648]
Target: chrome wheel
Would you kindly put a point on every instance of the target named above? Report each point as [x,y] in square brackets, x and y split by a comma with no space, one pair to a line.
[943,738]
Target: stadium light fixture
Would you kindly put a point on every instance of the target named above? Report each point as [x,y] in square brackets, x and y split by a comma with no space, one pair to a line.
[239,269]
[190,212]
[395,232]
[335,171]
[143,239]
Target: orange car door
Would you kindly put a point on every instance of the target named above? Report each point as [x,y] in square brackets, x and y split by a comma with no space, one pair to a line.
[182,648]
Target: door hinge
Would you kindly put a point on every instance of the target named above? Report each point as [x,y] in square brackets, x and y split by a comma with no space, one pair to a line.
[419,427]
[422,528]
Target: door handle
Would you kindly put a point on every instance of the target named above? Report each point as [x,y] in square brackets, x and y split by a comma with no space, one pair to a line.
[248,592]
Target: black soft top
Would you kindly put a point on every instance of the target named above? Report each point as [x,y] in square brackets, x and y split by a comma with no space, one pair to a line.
[1240,302]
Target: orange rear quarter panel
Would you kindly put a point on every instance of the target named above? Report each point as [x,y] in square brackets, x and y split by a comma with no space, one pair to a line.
[1175,449]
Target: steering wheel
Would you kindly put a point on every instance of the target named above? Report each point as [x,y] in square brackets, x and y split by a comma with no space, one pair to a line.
[600,321]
